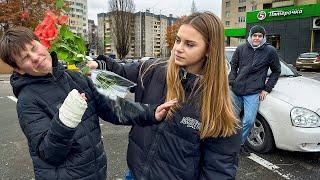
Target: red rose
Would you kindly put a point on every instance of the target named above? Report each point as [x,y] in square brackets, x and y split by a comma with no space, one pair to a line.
[46,31]
[62,19]
[52,16]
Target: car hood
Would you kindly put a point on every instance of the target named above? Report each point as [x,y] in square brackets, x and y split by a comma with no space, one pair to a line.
[299,92]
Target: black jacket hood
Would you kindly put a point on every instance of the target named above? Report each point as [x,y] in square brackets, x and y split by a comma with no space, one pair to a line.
[19,81]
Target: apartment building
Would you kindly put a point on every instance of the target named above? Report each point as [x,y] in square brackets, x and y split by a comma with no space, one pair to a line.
[78,17]
[150,34]
[92,37]
[106,42]
[148,37]
[289,24]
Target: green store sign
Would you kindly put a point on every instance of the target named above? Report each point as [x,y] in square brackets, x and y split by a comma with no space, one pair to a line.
[286,13]
[235,32]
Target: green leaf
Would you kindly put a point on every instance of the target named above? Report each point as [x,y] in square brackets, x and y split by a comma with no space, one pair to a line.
[63,55]
[80,44]
[59,4]
[85,70]
[65,33]
[66,47]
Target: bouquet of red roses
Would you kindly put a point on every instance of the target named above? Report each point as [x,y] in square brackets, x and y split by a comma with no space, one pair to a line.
[56,36]
[70,48]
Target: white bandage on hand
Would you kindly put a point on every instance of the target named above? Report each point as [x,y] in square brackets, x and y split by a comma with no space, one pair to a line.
[72,109]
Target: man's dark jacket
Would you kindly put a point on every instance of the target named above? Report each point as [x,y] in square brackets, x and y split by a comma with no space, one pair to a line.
[57,151]
[170,150]
[249,69]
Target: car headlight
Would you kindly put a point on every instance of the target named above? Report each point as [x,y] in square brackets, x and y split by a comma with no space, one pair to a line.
[302,117]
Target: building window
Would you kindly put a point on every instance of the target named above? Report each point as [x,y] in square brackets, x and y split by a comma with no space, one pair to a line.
[267,6]
[254,7]
[242,9]
[241,1]
[241,19]
[241,40]
[227,13]
[228,4]
[227,23]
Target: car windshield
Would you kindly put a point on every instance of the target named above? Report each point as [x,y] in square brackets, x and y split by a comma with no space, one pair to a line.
[309,55]
[286,70]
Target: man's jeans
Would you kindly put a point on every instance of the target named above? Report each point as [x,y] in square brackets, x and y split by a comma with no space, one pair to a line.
[128,175]
[250,105]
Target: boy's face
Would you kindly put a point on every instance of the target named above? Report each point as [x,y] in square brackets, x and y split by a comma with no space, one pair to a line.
[257,39]
[34,60]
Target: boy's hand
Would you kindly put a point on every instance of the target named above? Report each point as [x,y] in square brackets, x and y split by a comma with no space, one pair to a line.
[92,64]
[163,109]
[263,95]
[73,108]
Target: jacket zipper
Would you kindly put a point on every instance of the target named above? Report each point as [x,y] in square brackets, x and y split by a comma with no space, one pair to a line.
[152,152]
[92,145]
[184,74]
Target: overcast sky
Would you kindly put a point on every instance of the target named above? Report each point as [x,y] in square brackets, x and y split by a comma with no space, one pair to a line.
[175,7]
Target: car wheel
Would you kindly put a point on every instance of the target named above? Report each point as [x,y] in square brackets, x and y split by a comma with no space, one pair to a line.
[260,138]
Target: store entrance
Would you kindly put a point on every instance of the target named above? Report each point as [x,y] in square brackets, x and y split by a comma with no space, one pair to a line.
[274,40]
[316,41]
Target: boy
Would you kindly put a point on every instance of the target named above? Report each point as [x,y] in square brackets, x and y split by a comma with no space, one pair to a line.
[59,111]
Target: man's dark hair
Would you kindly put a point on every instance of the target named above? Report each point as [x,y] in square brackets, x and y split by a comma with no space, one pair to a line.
[13,42]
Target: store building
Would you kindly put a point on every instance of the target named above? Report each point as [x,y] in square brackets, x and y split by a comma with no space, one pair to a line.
[292,30]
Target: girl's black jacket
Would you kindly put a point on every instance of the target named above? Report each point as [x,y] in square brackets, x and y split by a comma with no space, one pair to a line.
[173,148]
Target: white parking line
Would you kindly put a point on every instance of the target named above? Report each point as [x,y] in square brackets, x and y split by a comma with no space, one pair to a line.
[270,166]
[7,82]
[13,98]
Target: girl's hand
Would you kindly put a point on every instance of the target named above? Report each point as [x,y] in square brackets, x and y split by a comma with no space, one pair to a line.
[163,109]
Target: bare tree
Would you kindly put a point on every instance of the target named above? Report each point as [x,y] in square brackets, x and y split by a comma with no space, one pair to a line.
[122,21]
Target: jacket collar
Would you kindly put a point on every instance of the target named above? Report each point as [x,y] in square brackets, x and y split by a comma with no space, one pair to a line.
[189,81]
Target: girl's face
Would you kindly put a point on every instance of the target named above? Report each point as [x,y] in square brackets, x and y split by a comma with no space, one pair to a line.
[189,49]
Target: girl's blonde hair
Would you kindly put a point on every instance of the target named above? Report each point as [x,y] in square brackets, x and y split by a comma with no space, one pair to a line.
[217,116]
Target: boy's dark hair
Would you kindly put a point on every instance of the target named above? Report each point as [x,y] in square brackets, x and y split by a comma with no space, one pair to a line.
[258,29]
[13,42]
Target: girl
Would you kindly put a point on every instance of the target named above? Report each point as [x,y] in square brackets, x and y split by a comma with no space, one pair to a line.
[200,137]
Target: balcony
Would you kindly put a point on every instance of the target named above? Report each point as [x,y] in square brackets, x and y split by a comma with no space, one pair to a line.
[282,3]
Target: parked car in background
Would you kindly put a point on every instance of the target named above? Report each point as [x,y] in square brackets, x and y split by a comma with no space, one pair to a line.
[310,60]
[289,118]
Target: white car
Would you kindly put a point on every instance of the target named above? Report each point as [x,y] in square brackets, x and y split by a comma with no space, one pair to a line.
[289,118]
